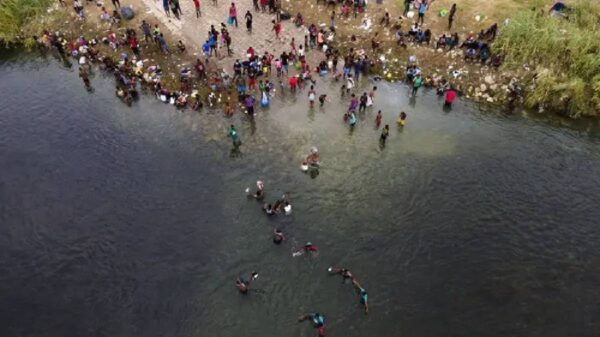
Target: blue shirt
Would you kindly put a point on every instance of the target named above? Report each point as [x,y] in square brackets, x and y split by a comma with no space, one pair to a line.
[422,8]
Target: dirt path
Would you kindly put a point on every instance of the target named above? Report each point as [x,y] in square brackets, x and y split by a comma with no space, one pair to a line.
[193,31]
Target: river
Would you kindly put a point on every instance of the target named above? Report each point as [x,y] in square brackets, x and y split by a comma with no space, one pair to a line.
[133,221]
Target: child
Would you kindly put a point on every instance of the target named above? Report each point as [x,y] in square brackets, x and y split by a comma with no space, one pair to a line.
[378,119]
[402,119]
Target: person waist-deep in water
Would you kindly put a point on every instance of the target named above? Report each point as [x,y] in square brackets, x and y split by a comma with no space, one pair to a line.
[318,321]
[344,272]
[278,237]
[362,293]
[243,283]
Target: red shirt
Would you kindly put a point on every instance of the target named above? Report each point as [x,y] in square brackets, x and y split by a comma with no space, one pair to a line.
[197,3]
[133,42]
[293,81]
[450,96]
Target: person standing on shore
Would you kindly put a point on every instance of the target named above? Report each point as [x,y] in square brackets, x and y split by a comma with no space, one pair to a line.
[162,43]
[78,7]
[248,18]
[422,11]
[200,69]
[406,6]
[233,14]
[134,45]
[285,59]
[166,8]
[146,29]
[197,6]
[276,28]
[176,8]
[451,16]
[227,39]
[212,42]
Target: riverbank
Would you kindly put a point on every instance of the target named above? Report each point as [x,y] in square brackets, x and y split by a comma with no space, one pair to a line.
[490,83]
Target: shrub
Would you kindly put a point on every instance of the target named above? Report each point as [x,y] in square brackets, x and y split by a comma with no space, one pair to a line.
[15,14]
[563,52]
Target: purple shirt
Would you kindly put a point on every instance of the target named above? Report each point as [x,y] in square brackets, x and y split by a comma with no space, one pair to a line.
[249,101]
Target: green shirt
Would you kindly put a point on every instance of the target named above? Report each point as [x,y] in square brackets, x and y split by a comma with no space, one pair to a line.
[233,134]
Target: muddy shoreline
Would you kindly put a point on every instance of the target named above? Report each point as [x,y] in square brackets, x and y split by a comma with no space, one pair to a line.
[486,86]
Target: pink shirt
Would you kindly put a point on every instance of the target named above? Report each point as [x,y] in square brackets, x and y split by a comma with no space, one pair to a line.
[232,11]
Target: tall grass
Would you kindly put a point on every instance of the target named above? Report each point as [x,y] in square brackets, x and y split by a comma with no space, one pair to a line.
[16,14]
[564,53]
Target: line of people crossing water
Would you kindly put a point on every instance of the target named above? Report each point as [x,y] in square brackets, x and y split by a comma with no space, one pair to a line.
[283,206]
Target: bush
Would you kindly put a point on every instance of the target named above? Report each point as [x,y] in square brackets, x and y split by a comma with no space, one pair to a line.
[15,14]
[564,53]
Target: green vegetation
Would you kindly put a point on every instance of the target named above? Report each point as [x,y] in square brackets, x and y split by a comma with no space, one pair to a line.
[564,55]
[16,14]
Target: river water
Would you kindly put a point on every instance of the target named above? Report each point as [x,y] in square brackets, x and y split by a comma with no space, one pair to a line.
[133,221]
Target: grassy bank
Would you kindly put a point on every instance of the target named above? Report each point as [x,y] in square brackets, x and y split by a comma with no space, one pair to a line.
[15,15]
[563,56]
